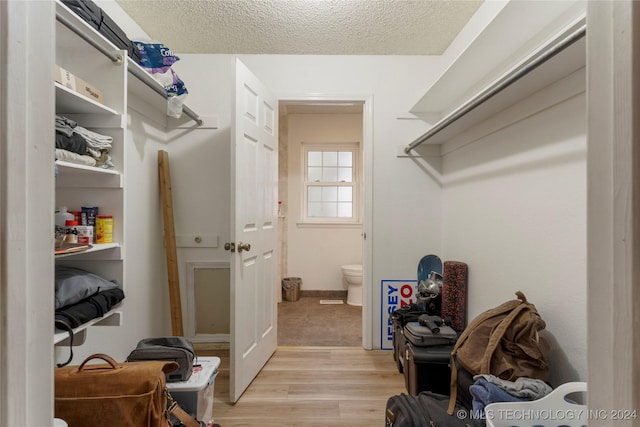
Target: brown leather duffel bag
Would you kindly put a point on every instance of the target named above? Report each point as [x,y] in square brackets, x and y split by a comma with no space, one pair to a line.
[503,341]
[113,394]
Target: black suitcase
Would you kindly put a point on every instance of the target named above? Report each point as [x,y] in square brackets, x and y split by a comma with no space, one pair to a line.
[399,318]
[427,369]
[98,19]
[426,410]
[421,336]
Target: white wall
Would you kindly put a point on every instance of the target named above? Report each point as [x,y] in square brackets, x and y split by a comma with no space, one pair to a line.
[316,253]
[514,209]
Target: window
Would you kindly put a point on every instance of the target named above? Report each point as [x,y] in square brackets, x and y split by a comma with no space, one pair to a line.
[331,182]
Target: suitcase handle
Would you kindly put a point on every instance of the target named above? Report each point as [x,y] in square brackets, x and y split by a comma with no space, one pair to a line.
[102,356]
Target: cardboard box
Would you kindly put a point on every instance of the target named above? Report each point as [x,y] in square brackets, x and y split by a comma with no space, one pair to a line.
[195,395]
[76,84]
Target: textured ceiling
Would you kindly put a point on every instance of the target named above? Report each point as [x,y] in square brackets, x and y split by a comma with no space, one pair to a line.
[318,27]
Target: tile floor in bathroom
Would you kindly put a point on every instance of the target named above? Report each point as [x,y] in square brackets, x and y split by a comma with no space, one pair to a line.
[306,322]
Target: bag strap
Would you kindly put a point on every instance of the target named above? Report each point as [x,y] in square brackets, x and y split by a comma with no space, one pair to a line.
[496,336]
[453,387]
[508,306]
[180,413]
[62,324]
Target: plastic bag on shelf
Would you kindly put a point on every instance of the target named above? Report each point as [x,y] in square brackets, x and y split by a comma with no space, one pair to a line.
[157,60]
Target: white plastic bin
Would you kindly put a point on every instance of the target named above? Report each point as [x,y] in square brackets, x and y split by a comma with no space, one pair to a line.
[195,395]
[553,410]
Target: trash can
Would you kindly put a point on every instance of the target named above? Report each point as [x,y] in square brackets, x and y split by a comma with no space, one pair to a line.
[291,288]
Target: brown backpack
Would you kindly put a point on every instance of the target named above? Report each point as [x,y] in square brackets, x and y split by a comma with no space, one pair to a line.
[504,342]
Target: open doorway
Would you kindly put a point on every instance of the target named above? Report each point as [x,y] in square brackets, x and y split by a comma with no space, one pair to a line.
[321,213]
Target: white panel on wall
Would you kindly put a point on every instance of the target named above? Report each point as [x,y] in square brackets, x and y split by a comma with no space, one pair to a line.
[211,299]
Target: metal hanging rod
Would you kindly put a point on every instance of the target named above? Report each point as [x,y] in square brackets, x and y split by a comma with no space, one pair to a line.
[113,56]
[143,76]
[117,58]
[574,34]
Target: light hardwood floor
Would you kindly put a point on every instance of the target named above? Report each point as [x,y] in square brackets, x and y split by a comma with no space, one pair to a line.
[311,387]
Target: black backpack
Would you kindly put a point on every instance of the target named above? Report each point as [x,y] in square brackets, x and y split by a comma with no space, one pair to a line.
[427,409]
[97,305]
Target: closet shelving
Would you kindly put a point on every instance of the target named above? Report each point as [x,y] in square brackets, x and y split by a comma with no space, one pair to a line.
[79,185]
[142,83]
[85,53]
[562,55]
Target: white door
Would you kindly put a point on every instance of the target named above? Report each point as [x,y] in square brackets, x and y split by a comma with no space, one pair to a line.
[254,205]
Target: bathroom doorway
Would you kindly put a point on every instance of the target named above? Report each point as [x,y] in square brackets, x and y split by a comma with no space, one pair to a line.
[321,221]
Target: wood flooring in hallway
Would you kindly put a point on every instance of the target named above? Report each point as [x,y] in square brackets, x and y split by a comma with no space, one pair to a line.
[311,387]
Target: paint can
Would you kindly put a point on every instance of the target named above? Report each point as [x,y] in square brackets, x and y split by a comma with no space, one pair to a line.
[104,229]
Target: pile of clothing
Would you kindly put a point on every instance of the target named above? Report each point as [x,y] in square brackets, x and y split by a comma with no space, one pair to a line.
[79,145]
[490,389]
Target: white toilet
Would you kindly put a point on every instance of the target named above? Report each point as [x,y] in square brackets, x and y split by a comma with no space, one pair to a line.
[353,276]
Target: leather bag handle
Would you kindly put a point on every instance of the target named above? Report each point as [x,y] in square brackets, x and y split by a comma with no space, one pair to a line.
[102,356]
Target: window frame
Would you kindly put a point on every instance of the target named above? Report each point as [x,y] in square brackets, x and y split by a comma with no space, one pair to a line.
[355,183]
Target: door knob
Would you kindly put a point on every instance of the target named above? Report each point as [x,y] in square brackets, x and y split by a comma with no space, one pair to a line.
[244,247]
[230,247]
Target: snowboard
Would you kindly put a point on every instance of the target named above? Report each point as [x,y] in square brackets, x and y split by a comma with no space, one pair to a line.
[427,265]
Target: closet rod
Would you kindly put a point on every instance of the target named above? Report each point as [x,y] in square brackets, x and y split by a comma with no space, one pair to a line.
[512,76]
[113,56]
[160,91]
[118,59]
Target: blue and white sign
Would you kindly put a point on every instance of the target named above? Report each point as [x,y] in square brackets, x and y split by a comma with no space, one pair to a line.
[394,294]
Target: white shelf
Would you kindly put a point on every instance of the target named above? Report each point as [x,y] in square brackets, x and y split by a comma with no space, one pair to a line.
[96,247]
[505,91]
[72,102]
[111,318]
[94,41]
[79,169]
[73,175]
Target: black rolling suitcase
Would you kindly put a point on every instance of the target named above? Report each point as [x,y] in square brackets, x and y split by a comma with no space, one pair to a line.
[427,369]
[426,410]
[423,336]
[399,318]
[98,19]
[427,356]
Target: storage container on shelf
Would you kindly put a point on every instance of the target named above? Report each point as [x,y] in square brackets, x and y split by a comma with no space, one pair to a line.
[195,395]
